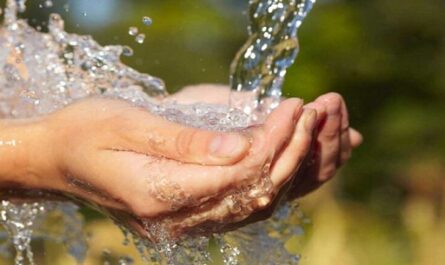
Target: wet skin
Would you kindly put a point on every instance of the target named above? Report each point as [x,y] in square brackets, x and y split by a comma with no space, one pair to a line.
[140,166]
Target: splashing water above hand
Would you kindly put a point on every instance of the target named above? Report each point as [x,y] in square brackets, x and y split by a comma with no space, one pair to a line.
[259,68]
[86,69]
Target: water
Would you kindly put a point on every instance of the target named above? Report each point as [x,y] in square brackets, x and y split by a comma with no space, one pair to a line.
[26,221]
[133,31]
[62,68]
[140,38]
[147,21]
[259,68]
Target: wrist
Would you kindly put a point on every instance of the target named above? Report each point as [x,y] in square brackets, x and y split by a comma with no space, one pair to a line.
[26,161]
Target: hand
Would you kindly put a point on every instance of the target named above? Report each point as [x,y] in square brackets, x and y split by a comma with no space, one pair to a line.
[137,166]
[141,167]
[332,146]
[333,142]
[112,157]
[285,136]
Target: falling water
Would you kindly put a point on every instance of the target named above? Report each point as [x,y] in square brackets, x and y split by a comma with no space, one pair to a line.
[62,68]
[259,68]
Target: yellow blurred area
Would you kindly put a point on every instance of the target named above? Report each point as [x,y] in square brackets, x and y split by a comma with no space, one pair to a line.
[349,234]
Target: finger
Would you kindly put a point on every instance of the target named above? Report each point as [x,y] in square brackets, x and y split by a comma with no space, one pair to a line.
[153,135]
[329,136]
[297,149]
[151,186]
[268,142]
[319,108]
[311,169]
[280,124]
[345,138]
[187,184]
[356,138]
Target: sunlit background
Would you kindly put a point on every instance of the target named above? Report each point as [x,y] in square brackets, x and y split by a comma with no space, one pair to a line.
[386,57]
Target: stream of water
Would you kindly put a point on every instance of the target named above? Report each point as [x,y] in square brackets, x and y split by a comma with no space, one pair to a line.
[261,64]
[63,67]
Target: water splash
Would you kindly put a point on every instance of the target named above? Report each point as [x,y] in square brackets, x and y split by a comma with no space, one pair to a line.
[61,68]
[133,31]
[147,21]
[140,38]
[259,68]
[25,221]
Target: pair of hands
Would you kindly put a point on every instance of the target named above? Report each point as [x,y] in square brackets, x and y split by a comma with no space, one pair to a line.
[143,167]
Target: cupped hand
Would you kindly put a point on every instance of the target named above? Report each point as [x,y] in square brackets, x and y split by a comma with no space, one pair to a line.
[144,169]
[141,167]
[110,151]
[332,145]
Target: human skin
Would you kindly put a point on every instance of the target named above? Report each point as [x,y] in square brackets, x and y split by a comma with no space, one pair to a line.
[333,141]
[115,158]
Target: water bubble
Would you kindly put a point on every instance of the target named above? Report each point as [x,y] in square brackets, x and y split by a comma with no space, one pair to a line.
[133,31]
[106,257]
[48,3]
[125,261]
[21,5]
[127,51]
[84,14]
[147,21]
[140,38]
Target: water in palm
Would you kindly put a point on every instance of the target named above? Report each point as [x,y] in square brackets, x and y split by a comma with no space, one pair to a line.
[65,67]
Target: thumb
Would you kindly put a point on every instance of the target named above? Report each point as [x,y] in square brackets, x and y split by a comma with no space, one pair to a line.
[160,137]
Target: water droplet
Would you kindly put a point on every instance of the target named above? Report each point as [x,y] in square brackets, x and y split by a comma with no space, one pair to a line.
[48,3]
[21,5]
[147,21]
[133,31]
[84,14]
[127,51]
[140,38]
[126,261]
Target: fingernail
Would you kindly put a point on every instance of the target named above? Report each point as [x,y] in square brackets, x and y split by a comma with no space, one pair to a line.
[310,120]
[227,145]
[298,111]
[333,107]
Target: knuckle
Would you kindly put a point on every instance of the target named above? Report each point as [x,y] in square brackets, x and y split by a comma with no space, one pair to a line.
[330,135]
[345,156]
[184,140]
[328,172]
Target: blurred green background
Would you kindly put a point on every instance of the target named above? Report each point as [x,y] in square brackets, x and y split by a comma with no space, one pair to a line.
[386,57]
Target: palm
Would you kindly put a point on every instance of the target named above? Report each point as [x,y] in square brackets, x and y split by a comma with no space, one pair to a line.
[110,162]
[332,145]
